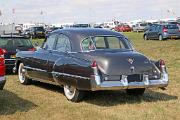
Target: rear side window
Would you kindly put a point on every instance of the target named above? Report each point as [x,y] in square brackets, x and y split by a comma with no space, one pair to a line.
[171,26]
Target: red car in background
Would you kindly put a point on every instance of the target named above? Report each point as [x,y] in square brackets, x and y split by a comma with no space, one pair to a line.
[2,69]
[123,28]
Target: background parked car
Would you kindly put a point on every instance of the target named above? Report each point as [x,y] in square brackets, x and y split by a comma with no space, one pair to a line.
[12,43]
[26,33]
[2,69]
[140,27]
[162,31]
[37,32]
[123,28]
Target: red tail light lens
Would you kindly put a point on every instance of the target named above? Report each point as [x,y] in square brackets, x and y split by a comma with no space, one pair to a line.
[161,62]
[32,49]
[165,30]
[162,65]
[94,64]
[2,51]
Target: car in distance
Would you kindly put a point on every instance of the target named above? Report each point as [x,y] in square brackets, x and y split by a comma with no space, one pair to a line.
[162,31]
[123,28]
[12,43]
[140,27]
[37,32]
[2,69]
[90,60]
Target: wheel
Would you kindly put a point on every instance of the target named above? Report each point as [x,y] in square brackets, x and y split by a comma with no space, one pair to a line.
[145,37]
[160,37]
[72,93]
[135,92]
[22,75]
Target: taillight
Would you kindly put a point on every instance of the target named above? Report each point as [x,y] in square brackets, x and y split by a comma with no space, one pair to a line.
[32,49]
[165,30]
[162,65]
[95,75]
[95,67]
[179,30]
[2,62]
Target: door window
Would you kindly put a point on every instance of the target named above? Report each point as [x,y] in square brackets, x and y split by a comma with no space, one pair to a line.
[49,44]
[63,44]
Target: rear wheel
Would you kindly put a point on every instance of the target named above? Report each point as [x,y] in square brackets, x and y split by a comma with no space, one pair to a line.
[22,75]
[160,37]
[135,92]
[145,37]
[72,93]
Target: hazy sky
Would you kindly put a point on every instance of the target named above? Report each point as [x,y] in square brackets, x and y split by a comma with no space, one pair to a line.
[57,11]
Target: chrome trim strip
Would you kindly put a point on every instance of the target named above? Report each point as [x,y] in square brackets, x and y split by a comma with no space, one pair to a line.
[36,69]
[10,59]
[123,83]
[69,75]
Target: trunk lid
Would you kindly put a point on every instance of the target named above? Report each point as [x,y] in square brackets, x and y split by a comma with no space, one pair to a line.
[121,62]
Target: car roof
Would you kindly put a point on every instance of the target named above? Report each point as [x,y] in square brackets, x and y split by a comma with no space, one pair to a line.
[76,35]
[86,32]
[12,36]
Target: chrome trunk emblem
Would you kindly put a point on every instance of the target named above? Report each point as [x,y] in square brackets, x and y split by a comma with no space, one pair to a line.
[130,60]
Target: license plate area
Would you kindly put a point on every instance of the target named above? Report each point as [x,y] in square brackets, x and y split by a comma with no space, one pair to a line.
[174,37]
[13,56]
[135,78]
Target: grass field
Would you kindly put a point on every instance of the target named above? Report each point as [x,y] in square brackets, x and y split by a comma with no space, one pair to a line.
[41,101]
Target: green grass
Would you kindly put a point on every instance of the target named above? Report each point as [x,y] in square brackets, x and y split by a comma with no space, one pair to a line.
[46,102]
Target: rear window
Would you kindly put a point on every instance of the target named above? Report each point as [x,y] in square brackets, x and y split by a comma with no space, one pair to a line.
[171,27]
[9,42]
[105,42]
[39,28]
[143,24]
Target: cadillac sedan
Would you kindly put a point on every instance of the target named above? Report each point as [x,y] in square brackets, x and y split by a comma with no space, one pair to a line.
[90,60]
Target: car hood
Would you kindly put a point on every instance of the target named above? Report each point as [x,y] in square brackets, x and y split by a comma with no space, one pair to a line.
[121,62]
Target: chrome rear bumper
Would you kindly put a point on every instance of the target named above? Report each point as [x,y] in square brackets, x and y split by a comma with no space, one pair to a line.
[123,83]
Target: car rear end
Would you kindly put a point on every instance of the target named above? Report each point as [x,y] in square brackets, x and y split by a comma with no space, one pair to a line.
[131,77]
[40,32]
[171,31]
[11,46]
[2,69]
[127,28]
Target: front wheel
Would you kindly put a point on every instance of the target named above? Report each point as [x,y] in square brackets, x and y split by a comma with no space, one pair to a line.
[22,75]
[72,93]
[135,92]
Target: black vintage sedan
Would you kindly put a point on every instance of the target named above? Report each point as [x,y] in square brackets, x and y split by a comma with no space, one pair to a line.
[90,60]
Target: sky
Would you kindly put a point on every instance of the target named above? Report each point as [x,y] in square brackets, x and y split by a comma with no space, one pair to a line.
[64,11]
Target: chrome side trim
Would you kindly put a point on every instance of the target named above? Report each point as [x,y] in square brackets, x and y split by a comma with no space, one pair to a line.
[69,75]
[36,69]
[10,59]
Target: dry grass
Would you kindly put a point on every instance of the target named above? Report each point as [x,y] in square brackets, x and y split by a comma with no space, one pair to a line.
[46,102]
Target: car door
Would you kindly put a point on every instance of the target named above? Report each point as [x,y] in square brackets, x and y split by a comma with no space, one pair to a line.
[156,32]
[40,59]
[151,32]
[59,54]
